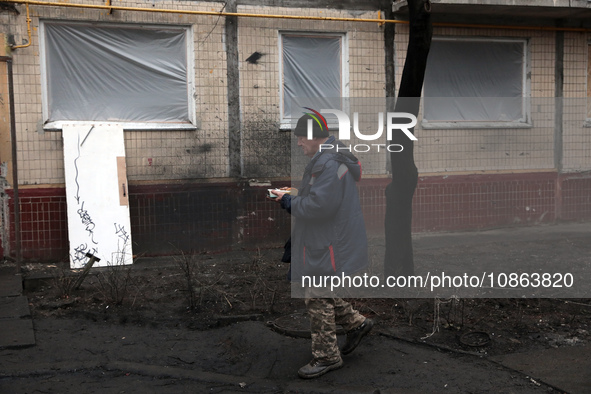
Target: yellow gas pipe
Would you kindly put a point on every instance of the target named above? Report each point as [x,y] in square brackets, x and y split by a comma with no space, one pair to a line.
[28,31]
[379,20]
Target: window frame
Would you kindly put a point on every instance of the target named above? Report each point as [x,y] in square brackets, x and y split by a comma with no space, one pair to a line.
[524,122]
[56,125]
[287,123]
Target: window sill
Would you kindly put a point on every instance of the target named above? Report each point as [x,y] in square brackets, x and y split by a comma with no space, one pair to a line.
[285,126]
[58,125]
[475,125]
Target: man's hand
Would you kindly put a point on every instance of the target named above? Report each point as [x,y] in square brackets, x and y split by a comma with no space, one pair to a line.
[279,194]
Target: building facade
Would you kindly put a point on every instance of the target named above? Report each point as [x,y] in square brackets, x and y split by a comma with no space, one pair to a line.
[206,93]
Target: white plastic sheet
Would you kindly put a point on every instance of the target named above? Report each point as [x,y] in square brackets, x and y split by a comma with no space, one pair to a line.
[114,73]
[311,68]
[474,80]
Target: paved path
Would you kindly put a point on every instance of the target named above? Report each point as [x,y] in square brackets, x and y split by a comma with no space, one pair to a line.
[71,356]
[15,317]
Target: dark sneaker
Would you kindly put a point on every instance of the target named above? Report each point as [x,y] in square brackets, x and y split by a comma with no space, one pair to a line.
[355,335]
[317,368]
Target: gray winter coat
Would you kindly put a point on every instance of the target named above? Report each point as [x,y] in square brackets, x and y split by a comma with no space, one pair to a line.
[329,236]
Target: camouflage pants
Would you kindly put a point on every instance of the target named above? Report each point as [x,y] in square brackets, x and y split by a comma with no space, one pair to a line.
[325,314]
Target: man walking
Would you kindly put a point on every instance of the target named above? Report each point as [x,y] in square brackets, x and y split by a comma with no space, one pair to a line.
[328,238]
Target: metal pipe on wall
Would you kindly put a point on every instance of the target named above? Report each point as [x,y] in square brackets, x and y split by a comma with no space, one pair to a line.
[17,211]
[194,12]
[379,21]
[28,31]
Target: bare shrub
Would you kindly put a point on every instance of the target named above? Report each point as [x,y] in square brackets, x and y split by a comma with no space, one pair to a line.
[64,281]
[260,288]
[196,283]
[114,283]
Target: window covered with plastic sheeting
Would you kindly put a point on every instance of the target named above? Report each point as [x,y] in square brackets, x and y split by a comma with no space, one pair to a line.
[312,68]
[476,82]
[112,73]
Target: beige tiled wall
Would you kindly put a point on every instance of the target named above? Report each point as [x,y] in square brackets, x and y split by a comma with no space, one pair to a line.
[151,155]
[260,88]
[169,155]
[576,131]
[475,150]
[203,153]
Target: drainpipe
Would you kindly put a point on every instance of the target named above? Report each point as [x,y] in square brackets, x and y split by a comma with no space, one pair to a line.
[558,121]
[390,70]
[233,81]
[16,209]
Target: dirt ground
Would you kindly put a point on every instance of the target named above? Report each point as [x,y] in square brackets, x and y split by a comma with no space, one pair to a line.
[219,297]
[205,291]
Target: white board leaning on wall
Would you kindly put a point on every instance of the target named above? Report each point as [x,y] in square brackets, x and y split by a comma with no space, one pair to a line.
[96,194]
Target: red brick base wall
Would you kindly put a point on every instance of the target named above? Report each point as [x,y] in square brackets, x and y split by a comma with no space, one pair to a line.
[167,219]
[44,225]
